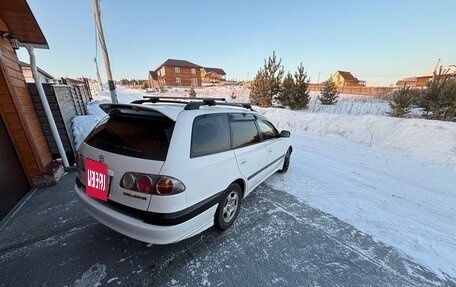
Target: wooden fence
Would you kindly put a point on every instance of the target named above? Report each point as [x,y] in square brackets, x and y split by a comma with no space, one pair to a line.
[358,90]
[66,102]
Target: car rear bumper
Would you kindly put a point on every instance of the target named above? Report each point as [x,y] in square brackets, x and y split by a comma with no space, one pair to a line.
[138,229]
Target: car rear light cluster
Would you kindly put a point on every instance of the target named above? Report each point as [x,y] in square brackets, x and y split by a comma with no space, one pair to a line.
[148,183]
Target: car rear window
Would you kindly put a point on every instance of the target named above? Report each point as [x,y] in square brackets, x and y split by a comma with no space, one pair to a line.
[244,130]
[142,136]
[211,134]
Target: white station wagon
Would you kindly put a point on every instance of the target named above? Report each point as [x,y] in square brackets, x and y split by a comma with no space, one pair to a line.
[161,170]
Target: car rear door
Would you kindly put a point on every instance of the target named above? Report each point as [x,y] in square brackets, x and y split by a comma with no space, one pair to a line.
[250,152]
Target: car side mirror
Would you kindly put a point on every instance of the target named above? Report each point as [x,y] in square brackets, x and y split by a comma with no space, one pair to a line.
[285,134]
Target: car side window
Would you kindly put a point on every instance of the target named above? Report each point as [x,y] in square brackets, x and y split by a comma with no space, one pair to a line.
[244,130]
[267,130]
[210,134]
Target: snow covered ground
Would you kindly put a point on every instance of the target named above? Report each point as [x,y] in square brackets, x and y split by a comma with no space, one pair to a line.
[392,178]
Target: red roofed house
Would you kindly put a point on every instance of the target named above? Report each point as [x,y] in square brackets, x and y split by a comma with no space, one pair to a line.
[343,79]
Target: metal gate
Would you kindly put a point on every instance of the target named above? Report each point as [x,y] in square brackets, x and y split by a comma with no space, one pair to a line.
[13,182]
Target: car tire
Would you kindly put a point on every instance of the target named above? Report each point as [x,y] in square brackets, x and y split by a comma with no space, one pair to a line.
[286,162]
[228,208]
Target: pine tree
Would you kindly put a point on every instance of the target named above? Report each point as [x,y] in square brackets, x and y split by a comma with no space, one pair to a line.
[438,100]
[401,102]
[288,87]
[266,84]
[329,93]
[301,96]
[192,93]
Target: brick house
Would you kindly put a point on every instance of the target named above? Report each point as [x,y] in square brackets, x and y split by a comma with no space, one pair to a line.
[212,75]
[344,78]
[179,73]
[24,152]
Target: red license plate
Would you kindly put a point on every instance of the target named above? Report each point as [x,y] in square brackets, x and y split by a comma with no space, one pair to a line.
[96,179]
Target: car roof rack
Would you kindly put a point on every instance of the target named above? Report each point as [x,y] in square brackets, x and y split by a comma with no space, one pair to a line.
[177,100]
[193,103]
[210,103]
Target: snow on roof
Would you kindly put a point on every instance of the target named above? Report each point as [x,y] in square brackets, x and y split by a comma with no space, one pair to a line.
[448,69]
[408,79]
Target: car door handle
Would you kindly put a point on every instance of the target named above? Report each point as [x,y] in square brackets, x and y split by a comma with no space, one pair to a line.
[269,150]
[243,161]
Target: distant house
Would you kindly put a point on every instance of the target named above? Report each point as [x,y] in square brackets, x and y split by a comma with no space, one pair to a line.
[179,73]
[407,82]
[344,78]
[423,80]
[26,70]
[153,80]
[212,75]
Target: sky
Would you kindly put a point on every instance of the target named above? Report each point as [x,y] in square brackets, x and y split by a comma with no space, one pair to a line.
[377,41]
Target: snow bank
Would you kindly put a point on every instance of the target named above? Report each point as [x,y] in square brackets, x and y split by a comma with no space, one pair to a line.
[380,180]
[424,139]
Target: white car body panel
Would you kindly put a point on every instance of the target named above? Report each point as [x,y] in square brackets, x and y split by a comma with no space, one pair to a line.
[205,179]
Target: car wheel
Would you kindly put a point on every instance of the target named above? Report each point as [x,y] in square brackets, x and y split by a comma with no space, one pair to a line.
[228,208]
[286,162]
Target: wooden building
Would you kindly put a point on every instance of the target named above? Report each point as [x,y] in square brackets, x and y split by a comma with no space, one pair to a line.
[27,71]
[410,82]
[24,152]
[344,78]
[212,75]
[423,80]
[153,80]
[179,73]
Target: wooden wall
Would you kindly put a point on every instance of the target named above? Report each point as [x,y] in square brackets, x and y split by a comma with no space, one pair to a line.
[185,74]
[19,115]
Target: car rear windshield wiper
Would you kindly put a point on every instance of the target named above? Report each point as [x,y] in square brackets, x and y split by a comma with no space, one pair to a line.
[122,147]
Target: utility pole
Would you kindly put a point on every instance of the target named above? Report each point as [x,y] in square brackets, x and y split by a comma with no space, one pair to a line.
[98,74]
[318,80]
[104,51]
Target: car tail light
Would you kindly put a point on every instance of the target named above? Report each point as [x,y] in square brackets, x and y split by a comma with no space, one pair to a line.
[165,186]
[129,180]
[150,183]
[144,184]
[169,185]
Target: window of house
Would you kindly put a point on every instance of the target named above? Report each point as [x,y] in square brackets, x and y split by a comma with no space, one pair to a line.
[162,71]
[244,130]
[194,82]
[176,70]
[267,130]
[210,134]
[178,81]
[193,71]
